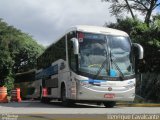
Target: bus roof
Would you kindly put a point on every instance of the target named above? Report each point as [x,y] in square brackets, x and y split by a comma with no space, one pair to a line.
[92,29]
[98,29]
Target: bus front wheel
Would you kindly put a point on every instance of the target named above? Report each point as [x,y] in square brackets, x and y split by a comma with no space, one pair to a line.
[64,100]
[109,104]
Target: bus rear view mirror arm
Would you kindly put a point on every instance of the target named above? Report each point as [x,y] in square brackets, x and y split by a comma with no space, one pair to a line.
[75,46]
[140,50]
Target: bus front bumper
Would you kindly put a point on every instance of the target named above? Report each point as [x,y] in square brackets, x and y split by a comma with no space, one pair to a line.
[91,94]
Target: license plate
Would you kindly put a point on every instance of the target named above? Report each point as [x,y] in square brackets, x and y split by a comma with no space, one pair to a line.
[109,95]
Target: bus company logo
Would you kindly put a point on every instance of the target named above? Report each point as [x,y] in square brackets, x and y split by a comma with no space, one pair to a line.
[109,89]
[9,117]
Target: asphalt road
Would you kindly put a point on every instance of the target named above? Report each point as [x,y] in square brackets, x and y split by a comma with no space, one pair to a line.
[34,110]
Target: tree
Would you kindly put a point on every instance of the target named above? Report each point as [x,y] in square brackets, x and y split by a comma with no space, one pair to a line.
[145,7]
[156,21]
[24,52]
[18,52]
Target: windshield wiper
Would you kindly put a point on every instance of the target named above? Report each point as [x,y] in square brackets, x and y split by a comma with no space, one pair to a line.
[102,66]
[112,61]
[115,64]
[100,69]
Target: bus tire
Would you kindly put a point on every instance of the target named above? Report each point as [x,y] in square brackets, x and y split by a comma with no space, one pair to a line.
[65,101]
[109,104]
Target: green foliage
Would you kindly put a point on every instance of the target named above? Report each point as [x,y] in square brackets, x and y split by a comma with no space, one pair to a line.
[18,52]
[156,21]
[6,63]
[126,25]
[25,51]
[149,87]
[9,82]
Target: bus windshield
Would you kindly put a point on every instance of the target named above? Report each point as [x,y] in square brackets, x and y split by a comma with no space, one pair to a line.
[100,54]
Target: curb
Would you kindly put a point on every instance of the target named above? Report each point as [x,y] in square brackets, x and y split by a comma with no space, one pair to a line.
[138,105]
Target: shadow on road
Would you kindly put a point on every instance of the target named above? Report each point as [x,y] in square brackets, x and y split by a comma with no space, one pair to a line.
[53,104]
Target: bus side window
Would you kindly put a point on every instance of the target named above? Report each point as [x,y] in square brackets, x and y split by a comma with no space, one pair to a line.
[71,56]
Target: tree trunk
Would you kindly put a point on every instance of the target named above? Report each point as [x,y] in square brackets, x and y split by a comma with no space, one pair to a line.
[147,18]
[149,12]
[130,9]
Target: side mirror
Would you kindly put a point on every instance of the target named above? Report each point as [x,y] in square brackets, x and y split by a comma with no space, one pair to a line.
[75,46]
[140,50]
